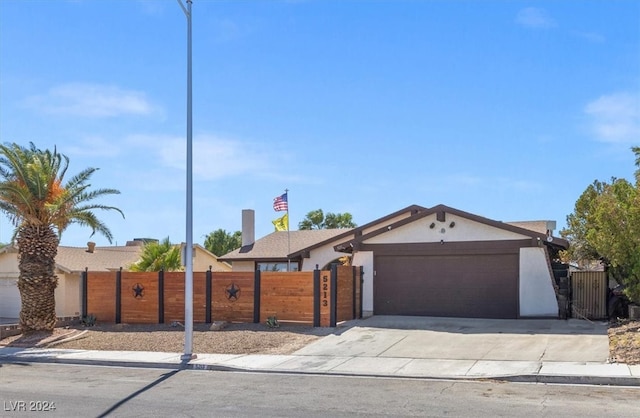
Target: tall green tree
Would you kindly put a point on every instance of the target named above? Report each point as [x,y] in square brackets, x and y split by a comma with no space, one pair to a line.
[158,256]
[316,219]
[605,225]
[221,242]
[41,205]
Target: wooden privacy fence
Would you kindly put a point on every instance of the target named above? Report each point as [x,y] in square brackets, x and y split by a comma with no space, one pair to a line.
[319,298]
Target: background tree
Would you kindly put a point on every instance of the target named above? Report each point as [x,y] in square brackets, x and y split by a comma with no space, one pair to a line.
[158,256]
[606,225]
[41,206]
[221,242]
[316,219]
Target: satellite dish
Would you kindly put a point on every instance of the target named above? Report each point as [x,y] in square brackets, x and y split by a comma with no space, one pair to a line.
[549,238]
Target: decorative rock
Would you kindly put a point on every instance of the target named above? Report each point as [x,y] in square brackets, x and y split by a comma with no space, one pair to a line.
[218,326]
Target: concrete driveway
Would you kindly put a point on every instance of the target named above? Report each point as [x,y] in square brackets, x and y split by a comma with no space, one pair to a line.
[537,340]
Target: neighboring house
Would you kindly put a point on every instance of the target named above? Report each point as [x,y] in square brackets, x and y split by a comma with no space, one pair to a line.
[437,261]
[71,262]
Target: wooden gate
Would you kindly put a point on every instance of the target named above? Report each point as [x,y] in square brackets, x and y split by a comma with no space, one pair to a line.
[589,294]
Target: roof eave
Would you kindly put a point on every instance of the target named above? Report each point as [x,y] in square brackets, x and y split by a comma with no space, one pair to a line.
[348,246]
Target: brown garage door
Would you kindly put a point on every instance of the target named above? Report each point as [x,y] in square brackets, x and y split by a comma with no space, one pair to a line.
[472,286]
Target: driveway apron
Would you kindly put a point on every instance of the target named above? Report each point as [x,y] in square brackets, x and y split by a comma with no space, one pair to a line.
[467,339]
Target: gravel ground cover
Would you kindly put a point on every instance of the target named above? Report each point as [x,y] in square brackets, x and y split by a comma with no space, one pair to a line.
[624,341]
[231,339]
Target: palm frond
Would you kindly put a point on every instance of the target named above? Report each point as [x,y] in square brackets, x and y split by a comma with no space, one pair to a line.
[32,190]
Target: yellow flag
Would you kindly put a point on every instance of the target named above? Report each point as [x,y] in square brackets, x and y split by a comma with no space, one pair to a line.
[281,224]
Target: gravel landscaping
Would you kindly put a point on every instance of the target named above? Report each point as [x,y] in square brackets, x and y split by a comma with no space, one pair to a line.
[231,339]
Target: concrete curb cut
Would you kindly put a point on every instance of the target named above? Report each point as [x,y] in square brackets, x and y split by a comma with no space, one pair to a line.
[529,378]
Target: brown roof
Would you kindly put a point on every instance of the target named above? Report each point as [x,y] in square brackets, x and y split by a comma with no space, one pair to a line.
[76,259]
[278,245]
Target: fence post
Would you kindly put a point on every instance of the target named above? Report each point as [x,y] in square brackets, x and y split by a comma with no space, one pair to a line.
[161,297]
[334,296]
[119,296]
[316,297]
[256,297]
[361,281]
[84,280]
[353,294]
[207,314]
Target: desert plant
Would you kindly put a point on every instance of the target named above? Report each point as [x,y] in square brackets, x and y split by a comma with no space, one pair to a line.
[89,320]
[272,322]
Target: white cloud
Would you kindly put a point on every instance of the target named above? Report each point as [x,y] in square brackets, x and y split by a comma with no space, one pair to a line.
[93,146]
[213,157]
[615,118]
[535,18]
[91,100]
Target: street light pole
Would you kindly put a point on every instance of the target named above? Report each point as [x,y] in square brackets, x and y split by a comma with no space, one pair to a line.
[188,276]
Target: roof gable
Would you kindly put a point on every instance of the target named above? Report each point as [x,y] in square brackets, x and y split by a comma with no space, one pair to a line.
[439,223]
[297,244]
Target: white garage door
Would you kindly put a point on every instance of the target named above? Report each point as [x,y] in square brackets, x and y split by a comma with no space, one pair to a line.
[9,298]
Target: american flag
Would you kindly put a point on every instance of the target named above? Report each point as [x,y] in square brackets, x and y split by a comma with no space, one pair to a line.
[280,203]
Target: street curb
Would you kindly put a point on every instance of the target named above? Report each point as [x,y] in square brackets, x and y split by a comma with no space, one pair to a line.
[628,381]
[573,380]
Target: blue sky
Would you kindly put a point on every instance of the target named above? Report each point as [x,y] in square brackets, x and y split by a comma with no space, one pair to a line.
[505,109]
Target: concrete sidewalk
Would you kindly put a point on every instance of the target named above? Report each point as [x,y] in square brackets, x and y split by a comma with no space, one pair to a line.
[548,351]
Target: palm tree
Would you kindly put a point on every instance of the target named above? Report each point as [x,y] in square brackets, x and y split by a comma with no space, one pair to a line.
[41,207]
[158,256]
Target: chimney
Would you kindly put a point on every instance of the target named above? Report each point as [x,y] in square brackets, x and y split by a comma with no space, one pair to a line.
[91,246]
[248,227]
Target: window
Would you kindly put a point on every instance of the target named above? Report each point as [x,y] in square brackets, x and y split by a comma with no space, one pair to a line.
[278,266]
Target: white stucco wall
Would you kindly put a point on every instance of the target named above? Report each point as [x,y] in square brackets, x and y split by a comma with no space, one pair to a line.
[68,295]
[365,259]
[387,222]
[243,266]
[320,256]
[464,230]
[537,296]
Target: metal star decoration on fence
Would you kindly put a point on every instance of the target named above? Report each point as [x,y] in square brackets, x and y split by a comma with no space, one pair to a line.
[233,292]
[138,291]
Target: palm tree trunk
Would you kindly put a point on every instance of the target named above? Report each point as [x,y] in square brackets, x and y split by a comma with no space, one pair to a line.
[37,249]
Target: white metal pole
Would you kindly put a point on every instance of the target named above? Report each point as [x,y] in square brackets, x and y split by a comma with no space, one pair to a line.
[188,276]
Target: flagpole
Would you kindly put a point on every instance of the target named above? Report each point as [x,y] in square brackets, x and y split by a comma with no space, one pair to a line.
[286,191]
